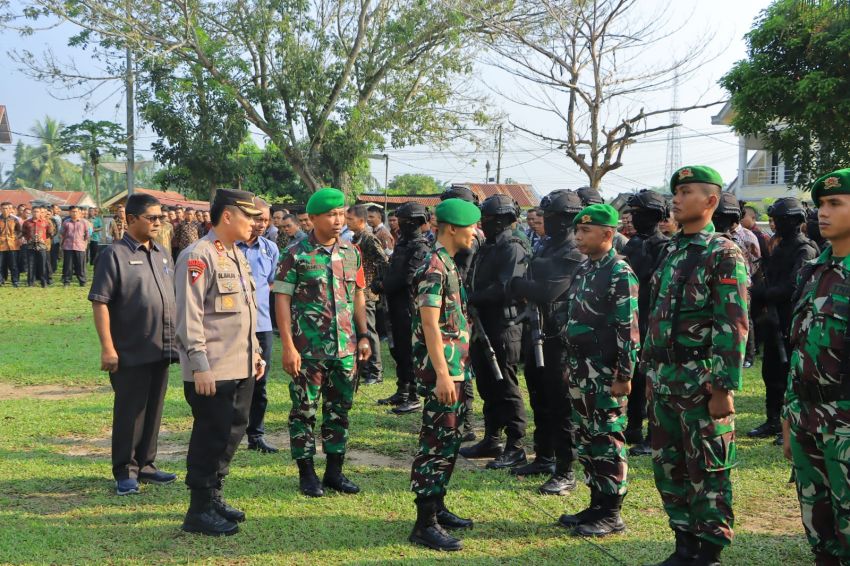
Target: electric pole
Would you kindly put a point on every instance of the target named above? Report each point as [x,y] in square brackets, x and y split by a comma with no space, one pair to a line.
[131,125]
[499,158]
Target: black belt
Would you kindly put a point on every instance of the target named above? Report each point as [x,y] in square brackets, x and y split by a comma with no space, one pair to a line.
[679,354]
[811,392]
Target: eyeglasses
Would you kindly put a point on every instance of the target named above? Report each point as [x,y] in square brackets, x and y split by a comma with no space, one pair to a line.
[153,218]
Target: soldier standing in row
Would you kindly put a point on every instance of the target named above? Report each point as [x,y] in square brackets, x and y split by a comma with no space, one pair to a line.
[589,196]
[320,302]
[601,338]
[441,357]
[407,258]
[780,281]
[496,334]
[549,276]
[694,354]
[816,415]
[219,355]
[644,252]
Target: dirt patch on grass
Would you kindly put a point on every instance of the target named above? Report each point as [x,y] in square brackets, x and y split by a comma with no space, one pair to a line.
[47,392]
[775,518]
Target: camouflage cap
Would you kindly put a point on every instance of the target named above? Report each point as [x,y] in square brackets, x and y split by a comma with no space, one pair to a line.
[598,215]
[458,212]
[695,174]
[324,200]
[835,183]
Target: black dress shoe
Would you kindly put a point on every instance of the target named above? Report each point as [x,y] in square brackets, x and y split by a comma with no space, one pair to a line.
[394,399]
[561,483]
[411,405]
[508,459]
[540,465]
[259,444]
[488,447]
[158,477]
[308,481]
[766,429]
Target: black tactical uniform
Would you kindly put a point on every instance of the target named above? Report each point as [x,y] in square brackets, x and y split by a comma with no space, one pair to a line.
[549,276]
[408,255]
[644,252]
[494,312]
[780,278]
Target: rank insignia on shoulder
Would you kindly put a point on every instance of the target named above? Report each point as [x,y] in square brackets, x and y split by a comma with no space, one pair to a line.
[196,268]
[219,247]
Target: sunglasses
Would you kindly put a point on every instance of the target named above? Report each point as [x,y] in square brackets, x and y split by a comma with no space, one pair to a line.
[153,218]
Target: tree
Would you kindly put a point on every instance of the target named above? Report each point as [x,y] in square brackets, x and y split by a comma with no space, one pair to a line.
[327,81]
[415,184]
[93,139]
[793,90]
[46,159]
[584,63]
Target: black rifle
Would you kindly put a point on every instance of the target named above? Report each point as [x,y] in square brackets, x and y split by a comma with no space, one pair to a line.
[479,334]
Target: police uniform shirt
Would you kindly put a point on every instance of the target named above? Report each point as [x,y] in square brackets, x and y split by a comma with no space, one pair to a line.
[137,286]
[262,256]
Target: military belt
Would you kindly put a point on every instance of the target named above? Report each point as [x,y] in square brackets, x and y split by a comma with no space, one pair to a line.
[679,354]
[812,392]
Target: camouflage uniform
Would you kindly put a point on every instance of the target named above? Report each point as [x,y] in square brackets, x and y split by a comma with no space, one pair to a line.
[438,285]
[696,336]
[322,285]
[601,338]
[817,404]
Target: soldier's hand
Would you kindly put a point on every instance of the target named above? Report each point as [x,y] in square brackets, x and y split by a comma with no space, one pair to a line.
[364,349]
[291,361]
[204,383]
[721,404]
[786,439]
[621,388]
[109,360]
[445,390]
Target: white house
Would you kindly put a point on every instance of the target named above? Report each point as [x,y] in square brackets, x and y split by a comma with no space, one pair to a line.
[761,172]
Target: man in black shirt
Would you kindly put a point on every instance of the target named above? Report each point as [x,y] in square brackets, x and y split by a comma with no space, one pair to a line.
[132,297]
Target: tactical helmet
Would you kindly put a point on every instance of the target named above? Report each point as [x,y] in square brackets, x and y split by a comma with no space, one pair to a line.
[497,205]
[563,201]
[729,205]
[412,209]
[786,206]
[589,196]
[649,200]
[461,192]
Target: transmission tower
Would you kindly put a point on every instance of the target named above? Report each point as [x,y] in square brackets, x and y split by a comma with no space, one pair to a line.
[674,137]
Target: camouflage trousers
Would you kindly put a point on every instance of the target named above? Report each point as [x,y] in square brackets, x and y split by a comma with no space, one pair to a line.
[333,380]
[822,466]
[692,456]
[439,441]
[599,421]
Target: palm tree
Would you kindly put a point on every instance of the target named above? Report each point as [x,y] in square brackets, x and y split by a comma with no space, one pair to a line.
[47,158]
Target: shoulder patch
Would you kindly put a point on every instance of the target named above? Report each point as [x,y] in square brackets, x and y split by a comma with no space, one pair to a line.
[195,268]
[727,281]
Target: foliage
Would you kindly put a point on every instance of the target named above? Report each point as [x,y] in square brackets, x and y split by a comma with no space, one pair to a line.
[93,140]
[43,166]
[415,184]
[793,90]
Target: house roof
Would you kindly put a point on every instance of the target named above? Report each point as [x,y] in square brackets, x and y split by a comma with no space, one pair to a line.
[5,129]
[30,196]
[167,198]
[396,200]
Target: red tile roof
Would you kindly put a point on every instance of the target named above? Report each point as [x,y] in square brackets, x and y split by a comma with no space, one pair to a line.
[62,198]
[395,200]
[167,198]
[69,197]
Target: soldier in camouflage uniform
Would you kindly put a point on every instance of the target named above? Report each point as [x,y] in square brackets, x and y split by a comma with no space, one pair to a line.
[320,300]
[816,415]
[601,342]
[441,359]
[693,354]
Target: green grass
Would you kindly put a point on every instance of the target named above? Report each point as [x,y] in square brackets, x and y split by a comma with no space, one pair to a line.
[57,504]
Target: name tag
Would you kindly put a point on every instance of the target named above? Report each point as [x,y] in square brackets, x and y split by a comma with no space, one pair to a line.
[135,262]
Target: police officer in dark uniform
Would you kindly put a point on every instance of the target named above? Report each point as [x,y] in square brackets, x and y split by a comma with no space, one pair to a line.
[644,252]
[548,279]
[813,229]
[588,196]
[494,332]
[780,278]
[407,257]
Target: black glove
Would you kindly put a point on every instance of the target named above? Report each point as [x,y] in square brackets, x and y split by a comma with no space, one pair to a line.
[377,286]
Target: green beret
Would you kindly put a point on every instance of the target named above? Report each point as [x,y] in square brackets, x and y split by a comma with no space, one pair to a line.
[835,183]
[598,215]
[325,200]
[695,174]
[458,212]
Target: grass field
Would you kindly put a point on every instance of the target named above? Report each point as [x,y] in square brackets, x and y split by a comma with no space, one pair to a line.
[57,503]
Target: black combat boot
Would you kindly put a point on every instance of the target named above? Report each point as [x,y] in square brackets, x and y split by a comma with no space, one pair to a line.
[642,449]
[513,455]
[222,508]
[562,481]
[770,427]
[334,478]
[308,481]
[395,399]
[449,520]
[468,435]
[687,547]
[572,521]
[411,403]
[427,531]
[202,517]
[709,554]
[540,465]
[607,520]
[633,435]
[488,447]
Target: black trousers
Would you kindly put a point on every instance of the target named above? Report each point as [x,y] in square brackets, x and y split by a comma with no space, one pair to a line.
[136,416]
[400,323]
[259,399]
[93,249]
[218,428]
[23,261]
[775,376]
[373,366]
[550,403]
[9,265]
[55,252]
[503,404]
[636,409]
[38,269]
[74,263]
